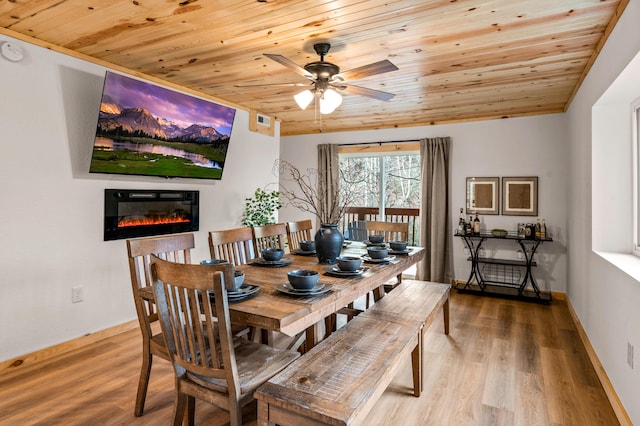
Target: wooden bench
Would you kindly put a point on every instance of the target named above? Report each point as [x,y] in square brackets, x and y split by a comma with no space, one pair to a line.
[411,301]
[341,379]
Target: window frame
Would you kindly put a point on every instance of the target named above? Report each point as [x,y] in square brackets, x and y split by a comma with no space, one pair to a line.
[635,120]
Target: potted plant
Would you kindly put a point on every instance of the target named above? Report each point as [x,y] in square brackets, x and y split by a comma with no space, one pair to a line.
[261,208]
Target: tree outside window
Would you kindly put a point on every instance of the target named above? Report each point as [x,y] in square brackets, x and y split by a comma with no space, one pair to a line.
[398,175]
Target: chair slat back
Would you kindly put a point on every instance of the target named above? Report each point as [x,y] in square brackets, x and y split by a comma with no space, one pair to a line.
[197,330]
[409,215]
[299,231]
[233,245]
[174,248]
[269,236]
[391,230]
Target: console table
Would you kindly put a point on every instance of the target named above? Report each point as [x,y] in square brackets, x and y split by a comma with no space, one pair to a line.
[492,274]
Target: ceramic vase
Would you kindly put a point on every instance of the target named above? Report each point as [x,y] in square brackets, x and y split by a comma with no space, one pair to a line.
[328,243]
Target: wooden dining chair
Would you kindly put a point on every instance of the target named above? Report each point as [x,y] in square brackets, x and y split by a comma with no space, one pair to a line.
[209,363]
[232,245]
[264,236]
[299,231]
[392,231]
[176,248]
[398,231]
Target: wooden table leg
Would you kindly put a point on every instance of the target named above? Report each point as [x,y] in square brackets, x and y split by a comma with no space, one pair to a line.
[378,292]
[266,337]
[263,413]
[313,335]
[329,325]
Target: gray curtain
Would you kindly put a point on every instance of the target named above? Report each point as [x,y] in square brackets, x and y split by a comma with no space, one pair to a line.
[435,232]
[328,176]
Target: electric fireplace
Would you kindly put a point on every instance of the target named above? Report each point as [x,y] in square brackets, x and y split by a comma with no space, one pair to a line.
[138,213]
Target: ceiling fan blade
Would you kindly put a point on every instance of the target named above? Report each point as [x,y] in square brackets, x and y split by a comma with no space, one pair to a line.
[275,85]
[368,70]
[289,64]
[363,91]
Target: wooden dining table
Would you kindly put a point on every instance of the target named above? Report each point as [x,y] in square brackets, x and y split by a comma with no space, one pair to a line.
[273,311]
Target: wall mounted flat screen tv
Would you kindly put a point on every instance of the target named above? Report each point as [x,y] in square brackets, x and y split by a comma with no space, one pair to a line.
[145,129]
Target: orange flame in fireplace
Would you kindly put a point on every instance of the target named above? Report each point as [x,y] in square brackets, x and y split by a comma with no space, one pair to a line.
[146,221]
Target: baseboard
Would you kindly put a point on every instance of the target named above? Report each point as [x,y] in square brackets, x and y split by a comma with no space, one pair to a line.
[614,400]
[554,294]
[21,363]
[529,295]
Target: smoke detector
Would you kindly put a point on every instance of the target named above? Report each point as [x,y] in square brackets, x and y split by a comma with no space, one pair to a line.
[12,51]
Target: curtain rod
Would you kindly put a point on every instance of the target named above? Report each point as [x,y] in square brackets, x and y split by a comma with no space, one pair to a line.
[379,143]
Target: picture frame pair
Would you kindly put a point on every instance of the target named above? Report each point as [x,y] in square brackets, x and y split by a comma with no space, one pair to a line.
[519,195]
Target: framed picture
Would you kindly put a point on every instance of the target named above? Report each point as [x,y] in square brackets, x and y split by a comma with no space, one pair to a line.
[482,195]
[520,196]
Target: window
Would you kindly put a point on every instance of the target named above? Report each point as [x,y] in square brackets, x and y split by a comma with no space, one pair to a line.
[382,179]
[615,172]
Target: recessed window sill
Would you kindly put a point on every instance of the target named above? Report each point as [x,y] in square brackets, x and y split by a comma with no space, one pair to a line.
[627,263]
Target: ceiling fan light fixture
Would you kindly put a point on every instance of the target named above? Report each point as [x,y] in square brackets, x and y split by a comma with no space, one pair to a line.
[329,101]
[303,99]
[326,76]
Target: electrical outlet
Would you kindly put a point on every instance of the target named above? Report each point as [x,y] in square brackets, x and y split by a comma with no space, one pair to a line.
[76,294]
[630,354]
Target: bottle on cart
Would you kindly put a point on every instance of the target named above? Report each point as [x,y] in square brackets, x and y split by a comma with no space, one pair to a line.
[538,226]
[469,226]
[543,230]
[461,224]
[476,225]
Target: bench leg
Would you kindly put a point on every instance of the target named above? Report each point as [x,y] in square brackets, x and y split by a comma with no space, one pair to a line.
[445,310]
[416,366]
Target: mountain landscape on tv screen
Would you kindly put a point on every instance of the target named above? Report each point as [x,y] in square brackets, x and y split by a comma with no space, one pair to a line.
[112,117]
[131,139]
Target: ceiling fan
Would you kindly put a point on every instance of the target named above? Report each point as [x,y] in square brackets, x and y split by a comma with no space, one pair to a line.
[326,78]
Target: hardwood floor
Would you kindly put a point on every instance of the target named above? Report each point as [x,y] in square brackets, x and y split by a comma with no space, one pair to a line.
[505,362]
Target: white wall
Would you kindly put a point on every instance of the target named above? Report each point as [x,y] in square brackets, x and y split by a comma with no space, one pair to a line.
[51,214]
[531,146]
[606,299]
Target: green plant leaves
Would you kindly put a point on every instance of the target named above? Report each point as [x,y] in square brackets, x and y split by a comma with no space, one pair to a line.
[261,208]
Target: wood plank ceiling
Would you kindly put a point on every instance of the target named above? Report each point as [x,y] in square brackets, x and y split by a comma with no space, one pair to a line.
[458,60]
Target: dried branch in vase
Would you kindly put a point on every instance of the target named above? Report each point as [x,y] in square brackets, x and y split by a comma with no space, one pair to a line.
[305,192]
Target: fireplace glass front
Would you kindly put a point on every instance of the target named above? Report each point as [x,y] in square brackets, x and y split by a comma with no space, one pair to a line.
[139,213]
